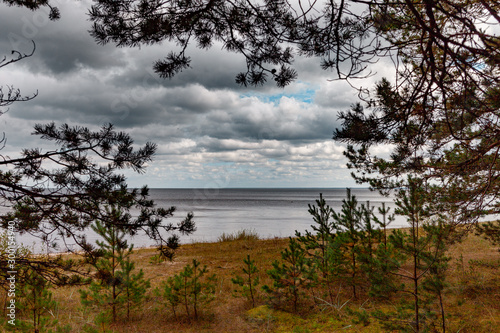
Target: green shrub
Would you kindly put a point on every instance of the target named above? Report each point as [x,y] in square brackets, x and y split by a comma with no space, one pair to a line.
[292,275]
[190,288]
[114,288]
[35,303]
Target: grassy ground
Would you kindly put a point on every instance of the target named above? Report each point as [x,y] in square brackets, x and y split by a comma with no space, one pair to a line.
[472,299]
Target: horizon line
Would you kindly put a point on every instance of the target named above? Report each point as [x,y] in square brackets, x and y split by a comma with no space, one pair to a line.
[257,188]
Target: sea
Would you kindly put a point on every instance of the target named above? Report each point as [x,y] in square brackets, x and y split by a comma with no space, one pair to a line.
[269,212]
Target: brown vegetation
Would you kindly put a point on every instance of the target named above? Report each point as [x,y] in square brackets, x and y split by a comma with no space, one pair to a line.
[472,299]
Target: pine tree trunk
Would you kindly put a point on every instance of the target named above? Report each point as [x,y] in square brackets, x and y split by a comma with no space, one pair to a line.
[34,309]
[186,297]
[442,311]
[114,302]
[195,291]
[251,287]
[128,304]
[415,293]
[353,273]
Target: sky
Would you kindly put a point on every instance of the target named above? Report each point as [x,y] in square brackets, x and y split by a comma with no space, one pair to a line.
[210,132]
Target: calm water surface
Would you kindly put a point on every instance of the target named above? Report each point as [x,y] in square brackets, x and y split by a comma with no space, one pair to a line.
[269,212]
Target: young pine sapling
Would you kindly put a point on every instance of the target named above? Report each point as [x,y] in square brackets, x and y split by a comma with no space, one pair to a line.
[250,281]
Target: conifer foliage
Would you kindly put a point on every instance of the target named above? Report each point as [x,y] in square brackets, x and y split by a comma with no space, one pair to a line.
[422,248]
[36,304]
[491,231]
[69,188]
[438,112]
[249,282]
[115,289]
[291,276]
[353,247]
[190,288]
[69,184]
[320,245]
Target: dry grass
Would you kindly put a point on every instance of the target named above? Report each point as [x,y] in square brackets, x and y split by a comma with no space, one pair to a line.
[244,234]
[225,314]
[472,300]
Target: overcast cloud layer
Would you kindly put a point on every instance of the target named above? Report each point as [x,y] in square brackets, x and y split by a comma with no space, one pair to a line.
[210,132]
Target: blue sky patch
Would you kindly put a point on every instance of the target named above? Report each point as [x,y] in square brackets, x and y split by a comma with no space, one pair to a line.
[303,95]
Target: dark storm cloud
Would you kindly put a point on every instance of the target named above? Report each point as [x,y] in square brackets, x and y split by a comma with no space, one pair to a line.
[62,46]
[74,54]
[206,70]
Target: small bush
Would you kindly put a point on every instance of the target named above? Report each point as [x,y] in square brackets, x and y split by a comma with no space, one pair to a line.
[157,259]
[244,234]
[189,288]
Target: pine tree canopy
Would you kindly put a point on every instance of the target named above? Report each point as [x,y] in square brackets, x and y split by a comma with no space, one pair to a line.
[57,194]
[439,111]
